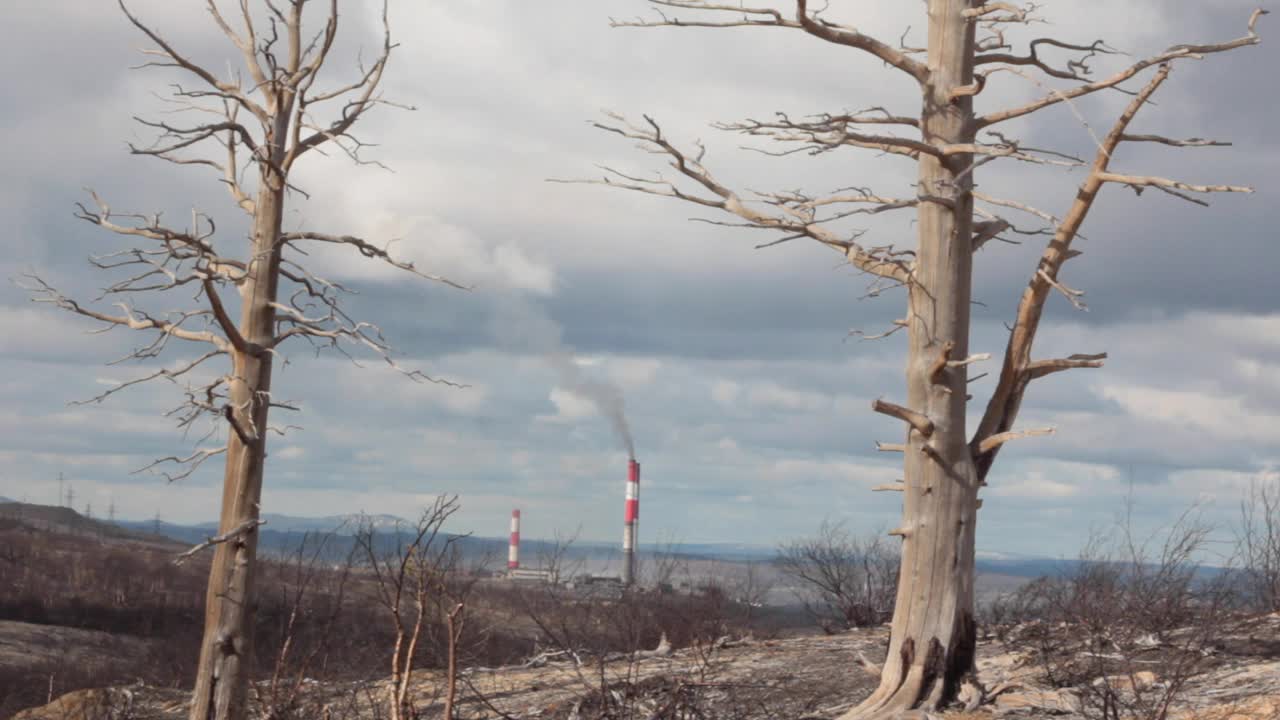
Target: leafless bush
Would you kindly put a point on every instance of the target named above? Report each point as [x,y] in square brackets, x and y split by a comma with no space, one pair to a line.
[553,557]
[706,697]
[580,628]
[601,634]
[750,591]
[307,590]
[1002,615]
[1132,621]
[845,581]
[413,573]
[1259,541]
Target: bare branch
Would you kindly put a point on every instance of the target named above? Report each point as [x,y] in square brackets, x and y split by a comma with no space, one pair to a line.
[849,36]
[752,16]
[334,327]
[230,171]
[1040,368]
[233,92]
[918,421]
[769,17]
[940,363]
[1071,294]
[1076,69]
[797,218]
[318,50]
[149,229]
[247,44]
[990,443]
[986,231]
[166,373]
[189,464]
[184,137]
[1015,372]
[225,322]
[369,250]
[1190,142]
[134,319]
[1016,13]
[235,533]
[898,325]
[1140,181]
[246,435]
[1015,205]
[1178,52]
[826,132]
[365,90]
[969,360]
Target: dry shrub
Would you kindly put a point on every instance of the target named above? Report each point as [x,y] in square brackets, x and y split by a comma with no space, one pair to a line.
[1259,541]
[845,581]
[1131,622]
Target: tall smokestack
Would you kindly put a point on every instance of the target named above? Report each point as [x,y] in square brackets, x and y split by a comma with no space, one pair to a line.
[513,550]
[632,519]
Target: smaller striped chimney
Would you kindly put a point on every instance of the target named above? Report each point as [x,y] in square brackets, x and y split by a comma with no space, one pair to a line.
[513,550]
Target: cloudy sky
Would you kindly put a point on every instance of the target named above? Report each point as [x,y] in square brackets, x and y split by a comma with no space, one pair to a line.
[747,398]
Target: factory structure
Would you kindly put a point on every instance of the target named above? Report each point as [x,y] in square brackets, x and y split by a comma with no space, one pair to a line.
[514,571]
[630,530]
[631,522]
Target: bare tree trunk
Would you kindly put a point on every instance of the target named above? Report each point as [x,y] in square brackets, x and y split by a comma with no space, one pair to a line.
[932,639]
[405,672]
[455,620]
[222,679]
[397,677]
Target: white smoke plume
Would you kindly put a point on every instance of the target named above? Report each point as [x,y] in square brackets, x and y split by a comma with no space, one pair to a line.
[606,396]
[530,328]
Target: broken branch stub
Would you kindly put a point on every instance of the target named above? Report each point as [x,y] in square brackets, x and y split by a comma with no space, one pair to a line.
[918,421]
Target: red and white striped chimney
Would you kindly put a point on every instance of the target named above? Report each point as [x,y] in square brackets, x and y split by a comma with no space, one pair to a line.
[632,522]
[513,550]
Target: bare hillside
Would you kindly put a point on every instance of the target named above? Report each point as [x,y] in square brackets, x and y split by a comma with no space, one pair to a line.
[809,677]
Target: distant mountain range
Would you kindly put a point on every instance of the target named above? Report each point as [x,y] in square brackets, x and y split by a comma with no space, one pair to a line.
[283,533]
[339,524]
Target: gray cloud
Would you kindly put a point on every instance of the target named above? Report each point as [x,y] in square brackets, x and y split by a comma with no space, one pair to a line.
[746,397]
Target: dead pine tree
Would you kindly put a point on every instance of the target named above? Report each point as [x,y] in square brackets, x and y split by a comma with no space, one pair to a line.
[931,652]
[250,126]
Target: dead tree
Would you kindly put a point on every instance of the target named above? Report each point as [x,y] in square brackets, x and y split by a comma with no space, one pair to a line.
[933,636]
[251,131]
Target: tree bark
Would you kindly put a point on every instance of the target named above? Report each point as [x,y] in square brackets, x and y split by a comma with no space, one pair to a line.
[931,646]
[222,679]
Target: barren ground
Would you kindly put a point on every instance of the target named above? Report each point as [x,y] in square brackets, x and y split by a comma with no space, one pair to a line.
[809,677]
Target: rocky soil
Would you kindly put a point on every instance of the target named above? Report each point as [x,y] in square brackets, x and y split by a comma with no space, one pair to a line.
[800,678]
